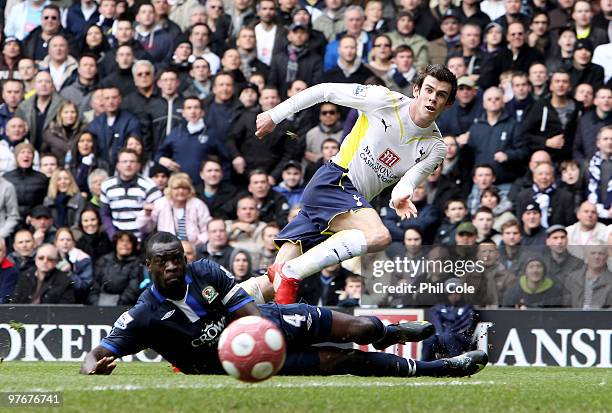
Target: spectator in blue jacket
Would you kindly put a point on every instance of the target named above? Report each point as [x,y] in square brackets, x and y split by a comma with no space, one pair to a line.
[80,15]
[457,119]
[291,186]
[113,127]
[191,142]
[8,275]
[494,138]
[153,39]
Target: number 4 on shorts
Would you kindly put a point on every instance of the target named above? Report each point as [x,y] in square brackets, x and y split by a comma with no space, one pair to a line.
[295,320]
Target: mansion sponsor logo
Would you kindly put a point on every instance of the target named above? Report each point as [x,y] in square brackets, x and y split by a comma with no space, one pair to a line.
[380,169]
[389,158]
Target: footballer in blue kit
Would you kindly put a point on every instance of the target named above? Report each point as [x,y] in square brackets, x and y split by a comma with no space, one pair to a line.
[182,314]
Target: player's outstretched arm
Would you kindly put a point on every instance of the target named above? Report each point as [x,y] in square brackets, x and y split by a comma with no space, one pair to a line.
[100,360]
[363,98]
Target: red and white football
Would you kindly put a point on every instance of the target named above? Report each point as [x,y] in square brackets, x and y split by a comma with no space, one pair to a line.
[252,349]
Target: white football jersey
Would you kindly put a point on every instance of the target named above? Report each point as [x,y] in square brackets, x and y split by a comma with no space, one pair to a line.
[385,145]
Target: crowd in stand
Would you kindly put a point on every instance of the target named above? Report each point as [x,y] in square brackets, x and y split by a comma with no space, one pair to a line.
[121,118]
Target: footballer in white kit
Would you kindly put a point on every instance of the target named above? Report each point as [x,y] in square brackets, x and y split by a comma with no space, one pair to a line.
[395,141]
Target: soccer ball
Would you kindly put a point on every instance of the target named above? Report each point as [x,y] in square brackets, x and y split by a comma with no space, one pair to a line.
[252,349]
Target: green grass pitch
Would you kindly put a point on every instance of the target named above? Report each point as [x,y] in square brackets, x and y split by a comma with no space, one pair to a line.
[143,387]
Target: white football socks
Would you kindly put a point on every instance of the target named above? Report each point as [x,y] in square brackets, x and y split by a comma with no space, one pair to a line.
[339,247]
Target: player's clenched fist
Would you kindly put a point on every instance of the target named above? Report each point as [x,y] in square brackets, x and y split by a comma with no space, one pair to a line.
[264,124]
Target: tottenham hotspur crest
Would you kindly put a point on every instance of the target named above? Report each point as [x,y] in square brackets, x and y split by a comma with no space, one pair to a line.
[209,294]
[203,138]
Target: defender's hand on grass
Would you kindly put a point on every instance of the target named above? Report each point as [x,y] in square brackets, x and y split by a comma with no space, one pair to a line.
[105,366]
[264,124]
[405,208]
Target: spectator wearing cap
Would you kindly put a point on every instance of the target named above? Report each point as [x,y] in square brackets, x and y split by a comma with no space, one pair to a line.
[590,124]
[559,260]
[551,123]
[30,185]
[353,21]
[248,152]
[249,96]
[191,142]
[40,220]
[24,17]
[316,40]
[36,44]
[590,286]
[494,138]
[40,109]
[154,39]
[404,34]
[582,69]
[349,66]
[247,49]
[218,196]
[587,230]
[160,175]
[535,287]
[532,231]
[457,119]
[9,59]
[200,84]
[600,175]
[440,48]
[561,56]
[331,20]
[44,284]
[518,56]
[555,203]
[291,186]
[12,95]
[181,62]
[296,62]
[466,234]
[582,15]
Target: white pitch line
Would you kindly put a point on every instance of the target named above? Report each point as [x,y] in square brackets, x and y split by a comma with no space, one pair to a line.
[237,385]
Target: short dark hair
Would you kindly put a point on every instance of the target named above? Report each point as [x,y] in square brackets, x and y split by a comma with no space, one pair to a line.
[89,55]
[328,140]
[19,81]
[128,150]
[450,201]
[484,209]
[257,171]
[482,165]
[441,74]
[161,237]
[168,70]
[52,7]
[401,49]
[192,97]
[213,159]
